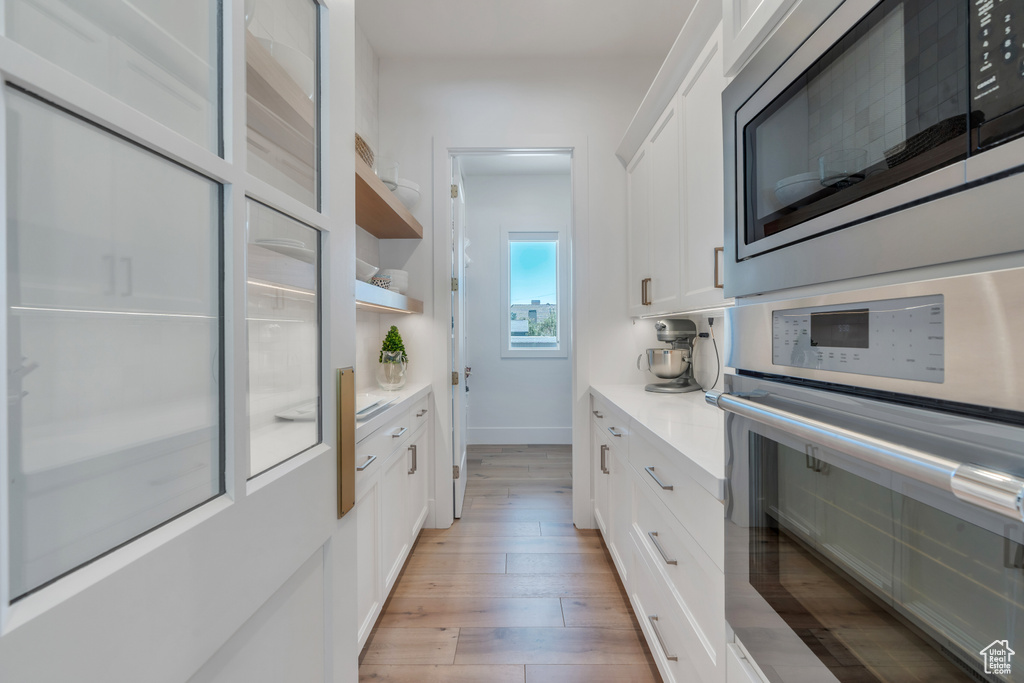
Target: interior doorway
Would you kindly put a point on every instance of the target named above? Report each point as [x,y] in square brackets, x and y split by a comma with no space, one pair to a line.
[512,336]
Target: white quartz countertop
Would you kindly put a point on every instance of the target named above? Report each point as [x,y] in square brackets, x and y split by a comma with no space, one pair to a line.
[683,423]
[404,397]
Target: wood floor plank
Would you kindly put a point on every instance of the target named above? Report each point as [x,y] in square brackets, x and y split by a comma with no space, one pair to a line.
[540,544]
[507,514]
[468,528]
[558,563]
[412,646]
[590,673]
[472,612]
[548,646]
[442,674]
[594,584]
[540,500]
[564,529]
[439,564]
[524,472]
[597,613]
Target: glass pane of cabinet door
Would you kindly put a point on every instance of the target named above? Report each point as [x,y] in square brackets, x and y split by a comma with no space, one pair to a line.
[283,318]
[282,67]
[157,56]
[113,340]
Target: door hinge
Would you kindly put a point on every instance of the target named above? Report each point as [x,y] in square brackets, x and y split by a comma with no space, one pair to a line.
[455,472]
[455,191]
[455,378]
[455,284]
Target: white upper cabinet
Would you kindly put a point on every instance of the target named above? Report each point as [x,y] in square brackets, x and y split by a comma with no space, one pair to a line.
[676,197]
[701,180]
[745,25]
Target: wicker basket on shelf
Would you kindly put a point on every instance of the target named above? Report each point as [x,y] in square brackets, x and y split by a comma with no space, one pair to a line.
[363,150]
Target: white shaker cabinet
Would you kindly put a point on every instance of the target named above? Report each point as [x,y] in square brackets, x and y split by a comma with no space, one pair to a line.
[745,24]
[676,198]
[701,180]
[654,234]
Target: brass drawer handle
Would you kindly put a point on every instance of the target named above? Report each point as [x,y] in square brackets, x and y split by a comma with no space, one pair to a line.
[661,641]
[654,540]
[650,471]
[644,301]
[366,464]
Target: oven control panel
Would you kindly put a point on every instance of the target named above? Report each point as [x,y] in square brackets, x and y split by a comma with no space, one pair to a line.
[898,338]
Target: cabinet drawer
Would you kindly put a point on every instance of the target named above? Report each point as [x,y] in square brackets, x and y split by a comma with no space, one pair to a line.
[662,624]
[688,573]
[610,423]
[696,509]
[374,449]
[419,414]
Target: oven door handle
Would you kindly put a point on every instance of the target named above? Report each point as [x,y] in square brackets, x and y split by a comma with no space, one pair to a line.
[989,489]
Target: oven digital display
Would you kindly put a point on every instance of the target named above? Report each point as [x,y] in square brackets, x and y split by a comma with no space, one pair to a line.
[840,329]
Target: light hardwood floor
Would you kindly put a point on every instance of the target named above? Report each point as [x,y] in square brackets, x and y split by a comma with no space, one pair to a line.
[512,592]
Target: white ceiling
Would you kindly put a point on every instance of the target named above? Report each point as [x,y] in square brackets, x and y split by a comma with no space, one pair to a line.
[515,164]
[522,28]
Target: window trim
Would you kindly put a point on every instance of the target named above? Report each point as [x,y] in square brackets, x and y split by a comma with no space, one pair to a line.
[558,236]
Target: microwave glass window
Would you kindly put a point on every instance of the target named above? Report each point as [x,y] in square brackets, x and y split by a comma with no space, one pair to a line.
[885,104]
[113,338]
[283,317]
[158,56]
[871,579]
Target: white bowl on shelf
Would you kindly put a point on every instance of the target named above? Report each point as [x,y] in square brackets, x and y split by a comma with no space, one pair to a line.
[407,192]
[364,270]
[399,279]
[794,188]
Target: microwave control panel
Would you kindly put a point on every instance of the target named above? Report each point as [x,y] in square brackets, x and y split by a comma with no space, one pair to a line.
[997,67]
[897,338]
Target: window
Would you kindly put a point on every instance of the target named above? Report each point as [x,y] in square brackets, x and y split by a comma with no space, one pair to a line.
[533,283]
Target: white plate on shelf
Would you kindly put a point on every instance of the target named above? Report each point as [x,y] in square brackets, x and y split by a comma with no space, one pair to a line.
[293,248]
[304,412]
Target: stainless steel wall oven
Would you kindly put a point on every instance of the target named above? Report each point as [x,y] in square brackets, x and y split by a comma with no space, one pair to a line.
[890,139]
[875,457]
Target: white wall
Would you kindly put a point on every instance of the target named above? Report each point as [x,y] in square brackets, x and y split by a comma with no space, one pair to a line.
[511,400]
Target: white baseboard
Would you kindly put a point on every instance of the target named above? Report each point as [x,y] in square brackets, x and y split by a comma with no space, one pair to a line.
[515,436]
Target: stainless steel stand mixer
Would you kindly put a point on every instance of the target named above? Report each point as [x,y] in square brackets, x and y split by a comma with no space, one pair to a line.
[676,362]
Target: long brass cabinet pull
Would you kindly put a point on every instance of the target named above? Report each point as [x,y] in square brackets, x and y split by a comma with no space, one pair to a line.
[719,284]
[653,618]
[650,471]
[369,461]
[644,300]
[654,540]
[415,466]
[604,462]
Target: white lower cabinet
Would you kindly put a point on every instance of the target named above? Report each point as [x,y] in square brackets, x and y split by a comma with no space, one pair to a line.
[392,499]
[665,534]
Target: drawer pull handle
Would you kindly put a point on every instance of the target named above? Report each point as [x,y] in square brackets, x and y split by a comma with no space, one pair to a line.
[598,415]
[654,540]
[719,284]
[421,413]
[614,432]
[415,466]
[366,464]
[604,455]
[401,431]
[653,618]
[650,471]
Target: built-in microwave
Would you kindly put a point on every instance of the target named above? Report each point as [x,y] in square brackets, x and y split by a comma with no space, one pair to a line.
[891,138]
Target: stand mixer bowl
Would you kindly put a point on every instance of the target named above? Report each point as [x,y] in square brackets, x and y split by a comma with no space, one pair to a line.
[668,363]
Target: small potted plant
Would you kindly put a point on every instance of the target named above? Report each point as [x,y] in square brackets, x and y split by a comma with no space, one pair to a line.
[393,360]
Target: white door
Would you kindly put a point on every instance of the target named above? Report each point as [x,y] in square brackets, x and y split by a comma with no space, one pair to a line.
[134,544]
[459,361]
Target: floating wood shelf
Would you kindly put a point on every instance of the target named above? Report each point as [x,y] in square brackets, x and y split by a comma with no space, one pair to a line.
[378,210]
[372,298]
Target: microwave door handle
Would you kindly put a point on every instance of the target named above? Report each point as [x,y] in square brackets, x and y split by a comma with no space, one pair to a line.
[989,489]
